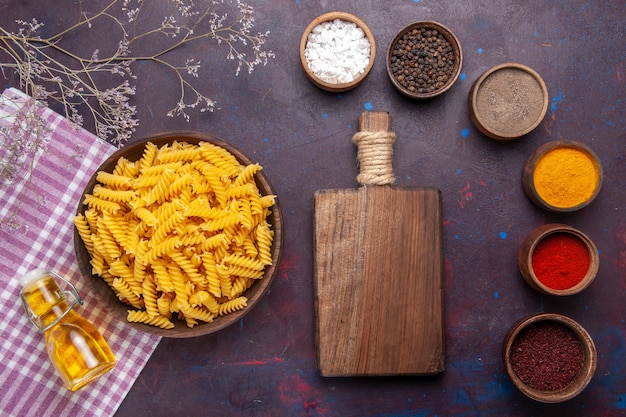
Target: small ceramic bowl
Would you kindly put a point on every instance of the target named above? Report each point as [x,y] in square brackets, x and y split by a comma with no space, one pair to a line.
[306,62]
[416,82]
[508,101]
[579,381]
[562,184]
[576,241]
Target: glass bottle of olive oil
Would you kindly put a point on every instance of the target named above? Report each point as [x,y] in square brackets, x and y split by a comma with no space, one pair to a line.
[76,348]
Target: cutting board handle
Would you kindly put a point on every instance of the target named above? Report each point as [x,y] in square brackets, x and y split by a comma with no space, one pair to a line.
[374,142]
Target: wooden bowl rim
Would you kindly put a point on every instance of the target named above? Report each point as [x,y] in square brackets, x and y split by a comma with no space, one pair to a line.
[531,163]
[118,309]
[579,383]
[537,235]
[328,17]
[450,37]
[477,117]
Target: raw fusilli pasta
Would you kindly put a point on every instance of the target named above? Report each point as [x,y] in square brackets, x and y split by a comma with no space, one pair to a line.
[138,316]
[182,232]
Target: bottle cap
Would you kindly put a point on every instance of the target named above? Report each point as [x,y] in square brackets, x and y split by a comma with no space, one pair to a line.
[32,275]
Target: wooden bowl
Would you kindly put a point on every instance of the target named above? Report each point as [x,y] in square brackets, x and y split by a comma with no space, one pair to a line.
[405,86]
[535,237]
[508,101]
[106,295]
[540,195]
[580,381]
[329,86]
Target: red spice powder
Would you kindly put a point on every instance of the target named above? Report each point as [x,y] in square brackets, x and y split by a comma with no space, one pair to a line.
[546,356]
[560,261]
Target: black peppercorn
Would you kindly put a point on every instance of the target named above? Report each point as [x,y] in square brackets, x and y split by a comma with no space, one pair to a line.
[423,60]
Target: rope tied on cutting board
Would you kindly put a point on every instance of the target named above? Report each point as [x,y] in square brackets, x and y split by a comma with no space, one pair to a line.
[375,156]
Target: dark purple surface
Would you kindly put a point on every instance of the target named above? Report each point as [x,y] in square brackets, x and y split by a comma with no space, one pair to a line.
[265,365]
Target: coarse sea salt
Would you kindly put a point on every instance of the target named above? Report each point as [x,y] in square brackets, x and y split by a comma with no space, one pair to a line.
[337,51]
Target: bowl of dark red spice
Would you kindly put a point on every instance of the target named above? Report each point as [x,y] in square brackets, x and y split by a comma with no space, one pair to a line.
[424,60]
[508,101]
[562,176]
[557,259]
[337,51]
[549,357]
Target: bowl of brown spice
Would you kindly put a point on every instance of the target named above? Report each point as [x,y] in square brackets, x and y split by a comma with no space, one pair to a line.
[549,357]
[424,60]
[508,101]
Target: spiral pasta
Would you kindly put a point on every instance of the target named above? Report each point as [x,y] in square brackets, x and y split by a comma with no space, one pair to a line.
[150,296]
[117,196]
[82,226]
[138,316]
[181,233]
[116,182]
[233,305]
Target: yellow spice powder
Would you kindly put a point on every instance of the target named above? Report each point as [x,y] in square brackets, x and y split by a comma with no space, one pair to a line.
[566,177]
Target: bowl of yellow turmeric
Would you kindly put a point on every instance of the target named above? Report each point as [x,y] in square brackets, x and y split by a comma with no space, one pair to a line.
[562,176]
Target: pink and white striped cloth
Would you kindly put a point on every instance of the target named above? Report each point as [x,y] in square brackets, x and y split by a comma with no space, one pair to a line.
[36,231]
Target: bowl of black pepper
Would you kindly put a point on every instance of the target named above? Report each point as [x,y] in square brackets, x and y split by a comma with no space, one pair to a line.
[424,60]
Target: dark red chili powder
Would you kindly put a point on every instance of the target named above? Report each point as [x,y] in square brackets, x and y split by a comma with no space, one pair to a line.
[546,356]
[560,260]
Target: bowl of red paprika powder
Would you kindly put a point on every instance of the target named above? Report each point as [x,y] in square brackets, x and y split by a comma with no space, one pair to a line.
[549,357]
[558,259]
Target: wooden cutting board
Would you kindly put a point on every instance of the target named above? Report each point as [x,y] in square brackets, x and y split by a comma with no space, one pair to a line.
[378,275]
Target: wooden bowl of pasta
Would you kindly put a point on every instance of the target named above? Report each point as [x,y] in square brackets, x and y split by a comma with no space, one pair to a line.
[179,234]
